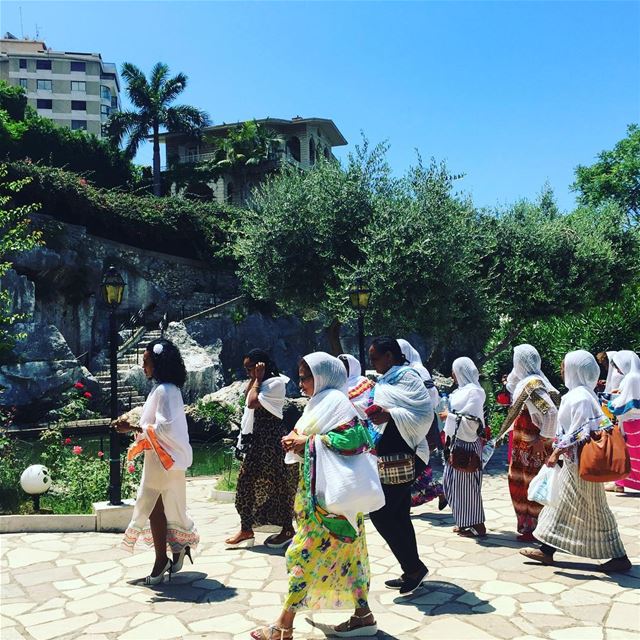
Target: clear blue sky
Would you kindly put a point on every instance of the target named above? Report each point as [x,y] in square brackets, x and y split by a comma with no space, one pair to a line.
[514,94]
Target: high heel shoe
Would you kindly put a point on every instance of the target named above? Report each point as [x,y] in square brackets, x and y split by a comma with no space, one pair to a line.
[151,580]
[240,539]
[177,565]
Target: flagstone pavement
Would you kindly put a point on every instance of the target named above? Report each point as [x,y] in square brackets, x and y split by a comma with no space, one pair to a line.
[75,585]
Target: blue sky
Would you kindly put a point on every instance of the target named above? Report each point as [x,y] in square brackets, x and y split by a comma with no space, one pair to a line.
[513,94]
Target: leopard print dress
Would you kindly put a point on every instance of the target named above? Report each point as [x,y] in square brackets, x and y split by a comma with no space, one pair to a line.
[266,485]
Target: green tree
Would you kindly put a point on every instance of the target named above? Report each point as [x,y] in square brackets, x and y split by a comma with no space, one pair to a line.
[16,235]
[615,176]
[152,99]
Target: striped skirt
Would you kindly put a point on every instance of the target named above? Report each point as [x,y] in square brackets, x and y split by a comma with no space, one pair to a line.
[632,434]
[582,522]
[462,490]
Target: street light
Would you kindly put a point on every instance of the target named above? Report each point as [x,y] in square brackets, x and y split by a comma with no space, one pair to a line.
[112,287]
[359,297]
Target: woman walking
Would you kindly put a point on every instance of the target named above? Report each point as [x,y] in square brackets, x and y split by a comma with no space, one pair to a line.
[625,405]
[160,513]
[532,417]
[581,523]
[358,386]
[425,488]
[327,559]
[266,485]
[400,413]
[464,425]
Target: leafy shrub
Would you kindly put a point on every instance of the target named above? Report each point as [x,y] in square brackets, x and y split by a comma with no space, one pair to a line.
[213,416]
[76,403]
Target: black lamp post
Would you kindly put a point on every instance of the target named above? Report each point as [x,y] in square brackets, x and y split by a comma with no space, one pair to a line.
[359,297]
[112,287]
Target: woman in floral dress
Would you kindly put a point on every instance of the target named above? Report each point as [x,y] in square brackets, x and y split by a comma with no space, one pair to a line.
[327,560]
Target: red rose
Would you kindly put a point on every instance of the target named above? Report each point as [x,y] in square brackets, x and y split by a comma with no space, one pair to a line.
[100,454]
[503,398]
[67,440]
[78,385]
[87,395]
[77,450]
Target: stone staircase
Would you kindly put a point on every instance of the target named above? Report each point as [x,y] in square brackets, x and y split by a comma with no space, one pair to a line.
[128,396]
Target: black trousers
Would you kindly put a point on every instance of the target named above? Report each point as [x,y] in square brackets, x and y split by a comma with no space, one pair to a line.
[393,523]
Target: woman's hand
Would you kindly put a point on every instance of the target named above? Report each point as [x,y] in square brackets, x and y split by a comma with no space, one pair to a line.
[443,414]
[259,372]
[294,442]
[552,461]
[380,417]
[122,426]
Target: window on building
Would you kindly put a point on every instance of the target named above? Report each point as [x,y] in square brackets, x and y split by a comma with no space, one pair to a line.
[43,64]
[78,105]
[23,82]
[23,63]
[44,85]
[104,110]
[79,85]
[114,102]
[44,104]
[78,66]
[293,147]
[312,151]
[105,92]
[79,125]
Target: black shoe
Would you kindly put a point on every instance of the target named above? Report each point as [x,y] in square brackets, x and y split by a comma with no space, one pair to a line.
[396,583]
[410,584]
[442,503]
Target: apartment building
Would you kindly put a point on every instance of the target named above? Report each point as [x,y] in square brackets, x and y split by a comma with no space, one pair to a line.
[74,89]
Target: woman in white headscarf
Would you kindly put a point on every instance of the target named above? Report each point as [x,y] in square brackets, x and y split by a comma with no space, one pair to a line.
[327,560]
[581,523]
[532,419]
[425,488]
[464,422]
[625,405]
[358,386]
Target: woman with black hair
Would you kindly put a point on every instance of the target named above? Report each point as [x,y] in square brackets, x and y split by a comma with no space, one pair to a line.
[160,513]
[266,485]
[401,412]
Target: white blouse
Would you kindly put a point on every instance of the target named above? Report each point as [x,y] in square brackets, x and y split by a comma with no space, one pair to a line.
[164,411]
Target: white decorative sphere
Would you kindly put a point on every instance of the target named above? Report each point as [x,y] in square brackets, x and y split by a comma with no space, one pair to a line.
[35,479]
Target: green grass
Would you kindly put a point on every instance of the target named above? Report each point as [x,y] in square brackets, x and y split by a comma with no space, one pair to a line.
[229,481]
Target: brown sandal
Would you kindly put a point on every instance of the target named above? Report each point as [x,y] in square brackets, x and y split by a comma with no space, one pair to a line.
[360,629]
[537,555]
[271,633]
[472,532]
[243,537]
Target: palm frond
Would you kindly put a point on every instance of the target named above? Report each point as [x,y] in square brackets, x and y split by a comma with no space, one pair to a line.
[185,119]
[172,88]
[158,76]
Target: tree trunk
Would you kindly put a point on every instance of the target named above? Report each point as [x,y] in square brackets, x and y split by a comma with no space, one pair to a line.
[501,346]
[156,160]
[333,335]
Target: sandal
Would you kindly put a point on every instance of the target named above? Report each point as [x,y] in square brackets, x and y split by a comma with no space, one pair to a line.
[357,630]
[537,555]
[472,532]
[279,540]
[271,633]
[246,537]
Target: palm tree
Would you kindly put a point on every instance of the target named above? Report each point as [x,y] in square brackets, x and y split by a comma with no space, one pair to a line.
[152,99]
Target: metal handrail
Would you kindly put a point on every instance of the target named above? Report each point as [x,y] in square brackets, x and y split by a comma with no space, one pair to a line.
[206,312]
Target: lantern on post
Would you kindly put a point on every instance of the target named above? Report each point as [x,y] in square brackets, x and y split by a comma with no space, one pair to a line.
[359,296]
[112,288]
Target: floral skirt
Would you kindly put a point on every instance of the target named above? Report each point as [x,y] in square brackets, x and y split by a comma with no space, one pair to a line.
[171,486]
[324,572]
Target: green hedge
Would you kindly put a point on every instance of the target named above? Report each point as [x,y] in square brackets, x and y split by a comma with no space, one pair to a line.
[199,230]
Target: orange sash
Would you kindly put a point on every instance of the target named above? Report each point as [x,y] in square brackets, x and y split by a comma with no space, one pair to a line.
[150,443]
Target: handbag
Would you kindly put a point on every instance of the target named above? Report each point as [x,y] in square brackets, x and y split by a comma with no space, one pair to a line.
[462,459]
[397,468]
[604,457]
[545,486]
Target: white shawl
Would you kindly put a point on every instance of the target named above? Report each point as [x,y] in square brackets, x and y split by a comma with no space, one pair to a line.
[614,377]
[627,400]
[402,393]
[467,399]
[415,362]
[271,397]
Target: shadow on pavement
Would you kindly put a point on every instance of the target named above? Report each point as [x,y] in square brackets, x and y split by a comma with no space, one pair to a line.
[190,586]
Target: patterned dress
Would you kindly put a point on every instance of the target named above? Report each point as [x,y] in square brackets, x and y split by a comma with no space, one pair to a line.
[327,570]
[528,453]
[266,485]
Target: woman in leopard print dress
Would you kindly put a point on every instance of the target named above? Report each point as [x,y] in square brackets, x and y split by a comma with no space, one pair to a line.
[266,485]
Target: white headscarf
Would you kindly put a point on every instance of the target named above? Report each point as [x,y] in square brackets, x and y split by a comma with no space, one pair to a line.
[468,399]
[628,398]
[271,397]
[580,412]
[354,374]
[526,366]
[613,375]
[402,393]
[415,362]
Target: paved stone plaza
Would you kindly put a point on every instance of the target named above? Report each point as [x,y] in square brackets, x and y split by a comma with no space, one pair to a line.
[75,585]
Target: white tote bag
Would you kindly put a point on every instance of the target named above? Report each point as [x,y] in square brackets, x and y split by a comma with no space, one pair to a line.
[348,485]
